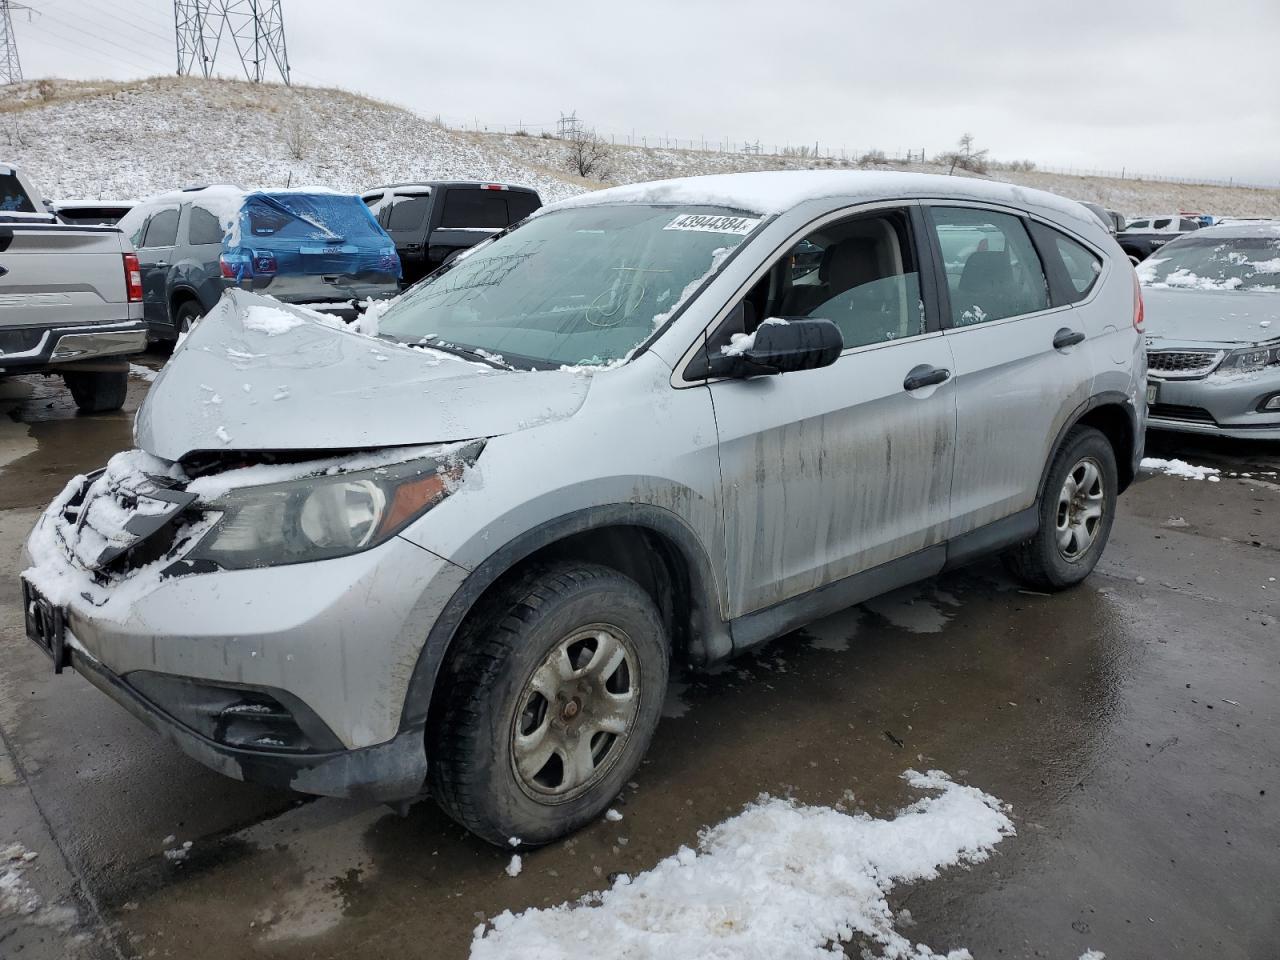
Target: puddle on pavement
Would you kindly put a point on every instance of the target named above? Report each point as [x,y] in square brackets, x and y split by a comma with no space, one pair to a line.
[44,440]
[971,668]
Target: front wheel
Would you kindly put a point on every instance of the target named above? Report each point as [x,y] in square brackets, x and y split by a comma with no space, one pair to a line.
[549,705]
[97,391]
[1077,509]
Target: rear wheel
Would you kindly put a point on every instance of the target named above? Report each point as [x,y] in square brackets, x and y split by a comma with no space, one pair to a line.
[187,316]
[548,706]
[97,391]
[1077,508]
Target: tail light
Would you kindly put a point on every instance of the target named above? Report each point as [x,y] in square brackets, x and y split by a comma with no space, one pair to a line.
[1139,312]
[133,277]
[248,263]
[494,186]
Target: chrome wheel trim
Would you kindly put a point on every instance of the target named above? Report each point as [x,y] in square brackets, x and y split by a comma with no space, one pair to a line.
[575,714]
[1081,505]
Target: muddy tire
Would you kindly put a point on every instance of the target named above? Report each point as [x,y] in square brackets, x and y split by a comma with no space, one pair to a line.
[548,705]
[1077,509]
[97,392]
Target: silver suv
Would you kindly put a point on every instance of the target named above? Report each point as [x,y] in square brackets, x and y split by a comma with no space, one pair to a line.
[672,420]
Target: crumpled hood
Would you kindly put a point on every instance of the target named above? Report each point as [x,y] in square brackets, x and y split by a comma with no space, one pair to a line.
[257,374]
[1217,317]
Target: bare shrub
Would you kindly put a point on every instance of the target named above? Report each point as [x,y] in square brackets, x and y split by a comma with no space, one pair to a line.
[873,158]
[521,132]
[297,137]
[966,157]
[547,135]
[45,89]
[588,155]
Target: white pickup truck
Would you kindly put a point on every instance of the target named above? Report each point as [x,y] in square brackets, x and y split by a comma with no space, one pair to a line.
[70,298]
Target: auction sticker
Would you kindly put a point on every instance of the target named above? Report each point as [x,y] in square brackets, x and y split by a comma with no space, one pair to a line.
[707,223]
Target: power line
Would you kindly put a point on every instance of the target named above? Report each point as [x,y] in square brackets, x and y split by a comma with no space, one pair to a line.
[139,51]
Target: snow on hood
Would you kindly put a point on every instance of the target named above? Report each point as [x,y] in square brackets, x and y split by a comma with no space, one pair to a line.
[774,191]
[256,374]
[1225,317]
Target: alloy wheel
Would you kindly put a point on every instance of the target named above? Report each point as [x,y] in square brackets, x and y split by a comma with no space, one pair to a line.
[1080,509]
[575,714]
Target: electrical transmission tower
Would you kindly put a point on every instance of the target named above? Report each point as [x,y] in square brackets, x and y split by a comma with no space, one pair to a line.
[10,65]
[254,27]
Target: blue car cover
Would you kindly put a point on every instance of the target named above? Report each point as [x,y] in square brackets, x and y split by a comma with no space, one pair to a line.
[301,234]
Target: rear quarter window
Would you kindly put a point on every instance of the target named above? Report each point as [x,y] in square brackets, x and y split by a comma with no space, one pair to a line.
[203,228]
[520,205]
[1072,267]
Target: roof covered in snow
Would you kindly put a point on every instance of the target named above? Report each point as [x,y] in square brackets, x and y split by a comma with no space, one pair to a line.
[774,191]
[1241,228]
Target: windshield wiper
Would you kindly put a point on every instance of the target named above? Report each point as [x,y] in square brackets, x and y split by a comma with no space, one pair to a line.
[467,353]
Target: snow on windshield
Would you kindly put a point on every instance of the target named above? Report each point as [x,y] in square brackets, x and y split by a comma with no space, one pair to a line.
[1215,263]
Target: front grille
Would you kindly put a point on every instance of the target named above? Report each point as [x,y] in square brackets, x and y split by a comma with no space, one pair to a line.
[1176,411]
[123,520]
[1183,363]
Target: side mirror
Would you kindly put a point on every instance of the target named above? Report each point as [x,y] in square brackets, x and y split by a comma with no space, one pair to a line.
[781,346]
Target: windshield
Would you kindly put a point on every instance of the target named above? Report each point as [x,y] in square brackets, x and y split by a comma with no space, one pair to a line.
[582,286]
[1215,263]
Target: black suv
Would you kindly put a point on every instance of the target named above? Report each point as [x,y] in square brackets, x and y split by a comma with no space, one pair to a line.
[433,221]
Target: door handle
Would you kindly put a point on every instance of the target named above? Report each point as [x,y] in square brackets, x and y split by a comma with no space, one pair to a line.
[1066,337]
[161,263]
[925,376]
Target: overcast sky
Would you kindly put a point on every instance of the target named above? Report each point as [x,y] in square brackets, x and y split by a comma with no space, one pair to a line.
[1180,87]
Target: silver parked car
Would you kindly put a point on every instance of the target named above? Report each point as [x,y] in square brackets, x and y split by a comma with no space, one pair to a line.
[461,556]
[1213,341]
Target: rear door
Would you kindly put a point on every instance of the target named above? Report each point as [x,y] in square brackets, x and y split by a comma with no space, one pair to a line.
[200,269]
[156,244]
[405,217]
[1013,388]
[828,473]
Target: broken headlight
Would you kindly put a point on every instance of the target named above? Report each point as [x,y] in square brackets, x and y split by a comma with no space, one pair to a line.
[327,515]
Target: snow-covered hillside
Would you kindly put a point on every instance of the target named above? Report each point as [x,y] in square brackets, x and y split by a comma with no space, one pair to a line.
[91,140]
[125,140]
[1131,197]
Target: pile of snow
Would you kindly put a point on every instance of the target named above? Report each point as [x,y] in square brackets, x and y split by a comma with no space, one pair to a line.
[778,880]
[137,139]
[1180,468]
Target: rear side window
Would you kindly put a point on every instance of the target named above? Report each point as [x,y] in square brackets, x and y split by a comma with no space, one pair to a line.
[474,208]
[1162,224]
[1139,225]
[407,213]
[992,268]
[1188,225]
[203,228]
[162,229]
[13,199]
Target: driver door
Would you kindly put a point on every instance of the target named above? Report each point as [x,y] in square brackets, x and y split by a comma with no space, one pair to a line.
[837,471]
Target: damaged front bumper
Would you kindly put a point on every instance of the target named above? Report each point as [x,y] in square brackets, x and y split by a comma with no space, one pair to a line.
[385,772]
[292,676]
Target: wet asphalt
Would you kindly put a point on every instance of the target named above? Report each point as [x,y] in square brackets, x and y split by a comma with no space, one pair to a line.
[1133,725]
